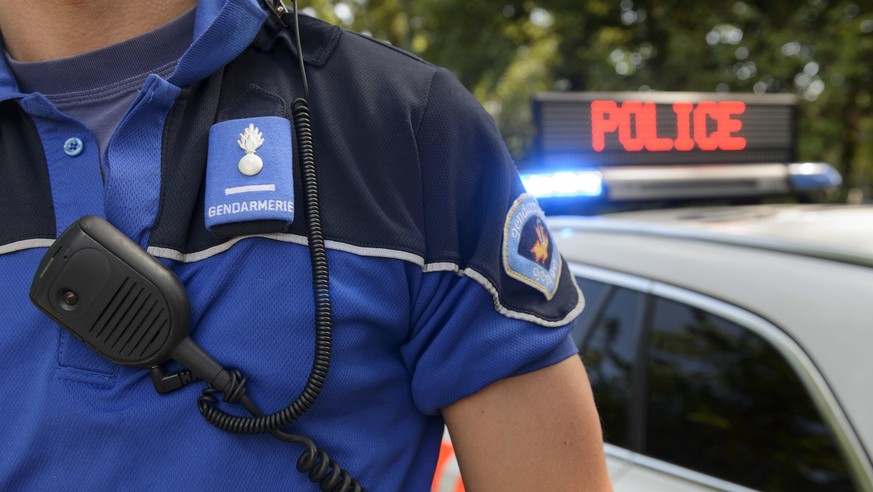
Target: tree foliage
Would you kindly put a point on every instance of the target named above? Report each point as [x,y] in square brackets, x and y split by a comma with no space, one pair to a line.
[505,50]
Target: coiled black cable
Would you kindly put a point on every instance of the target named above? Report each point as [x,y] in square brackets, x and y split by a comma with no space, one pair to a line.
[321,294]
[313,461]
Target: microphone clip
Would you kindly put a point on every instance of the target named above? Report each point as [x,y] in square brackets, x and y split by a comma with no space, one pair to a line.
[277,8]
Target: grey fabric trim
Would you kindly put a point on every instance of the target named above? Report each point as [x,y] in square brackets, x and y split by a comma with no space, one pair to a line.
[383,253]
[25,244]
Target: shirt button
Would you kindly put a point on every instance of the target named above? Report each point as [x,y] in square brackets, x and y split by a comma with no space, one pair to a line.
[73,147]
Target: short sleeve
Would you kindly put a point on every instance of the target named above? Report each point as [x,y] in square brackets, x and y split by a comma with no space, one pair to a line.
[495,298]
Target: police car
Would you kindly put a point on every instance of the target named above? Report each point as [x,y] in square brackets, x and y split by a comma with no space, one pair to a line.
[728,346]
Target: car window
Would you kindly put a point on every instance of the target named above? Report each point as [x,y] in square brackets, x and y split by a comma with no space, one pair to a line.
[608,352]
[723,401]
[595,292]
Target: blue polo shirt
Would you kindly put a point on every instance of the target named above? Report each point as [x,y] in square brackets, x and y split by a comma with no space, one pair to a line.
[444,276]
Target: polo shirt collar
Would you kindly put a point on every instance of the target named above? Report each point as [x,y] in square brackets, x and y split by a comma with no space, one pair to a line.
[221,33]
[222,30]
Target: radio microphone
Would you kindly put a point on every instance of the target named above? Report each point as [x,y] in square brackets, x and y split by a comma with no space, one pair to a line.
[119,300]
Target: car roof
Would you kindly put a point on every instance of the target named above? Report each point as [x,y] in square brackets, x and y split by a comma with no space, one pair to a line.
[829,231]
[808,269]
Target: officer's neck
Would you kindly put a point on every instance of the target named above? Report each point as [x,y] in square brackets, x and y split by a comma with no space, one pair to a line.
[49,29]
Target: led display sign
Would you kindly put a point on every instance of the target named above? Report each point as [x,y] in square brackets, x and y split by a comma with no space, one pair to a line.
[636,123]
[614,129]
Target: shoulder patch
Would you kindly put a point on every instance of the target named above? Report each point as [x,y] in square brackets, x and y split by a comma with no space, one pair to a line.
[249,173]
[529,253]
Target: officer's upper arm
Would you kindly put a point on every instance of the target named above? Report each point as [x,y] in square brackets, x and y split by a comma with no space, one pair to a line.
[537,431]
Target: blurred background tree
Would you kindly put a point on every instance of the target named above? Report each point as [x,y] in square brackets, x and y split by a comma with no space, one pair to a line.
[506,50]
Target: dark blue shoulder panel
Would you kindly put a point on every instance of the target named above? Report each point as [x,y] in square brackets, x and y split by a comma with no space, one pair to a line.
[26,210]
[408,162]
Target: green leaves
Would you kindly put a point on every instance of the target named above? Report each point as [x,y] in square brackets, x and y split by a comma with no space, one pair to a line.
[506,50]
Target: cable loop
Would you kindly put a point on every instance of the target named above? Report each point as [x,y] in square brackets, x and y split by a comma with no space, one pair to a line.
[325,471]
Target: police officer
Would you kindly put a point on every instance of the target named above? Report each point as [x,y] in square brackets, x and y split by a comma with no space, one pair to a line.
[176,123]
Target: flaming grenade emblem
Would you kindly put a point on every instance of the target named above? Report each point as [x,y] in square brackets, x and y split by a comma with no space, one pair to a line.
[250,141]
[540,248]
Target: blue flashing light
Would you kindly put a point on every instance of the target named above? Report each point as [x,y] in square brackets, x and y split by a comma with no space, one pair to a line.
[805,176]
[564,184]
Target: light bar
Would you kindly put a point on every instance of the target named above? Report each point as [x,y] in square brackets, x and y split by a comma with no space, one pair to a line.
[806,176]
[564,183]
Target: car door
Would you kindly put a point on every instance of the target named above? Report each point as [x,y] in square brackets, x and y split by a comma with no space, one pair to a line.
[698,394]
